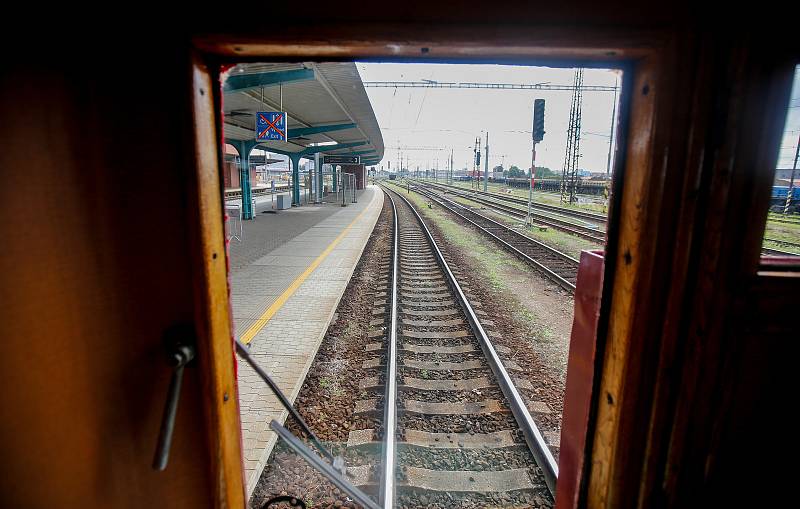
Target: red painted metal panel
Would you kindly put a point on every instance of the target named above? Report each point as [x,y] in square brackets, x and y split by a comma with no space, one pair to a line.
[580,374]
[778,262]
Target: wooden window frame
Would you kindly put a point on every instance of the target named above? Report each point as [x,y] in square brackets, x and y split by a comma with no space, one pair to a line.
[658,224]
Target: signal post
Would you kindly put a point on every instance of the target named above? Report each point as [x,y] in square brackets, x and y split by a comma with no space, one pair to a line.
[537,135]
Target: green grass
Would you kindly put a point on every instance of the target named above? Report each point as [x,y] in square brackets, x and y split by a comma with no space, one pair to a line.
[793,218]
[779,227]
[537,329]
[463,238]
[592,204]
[331,386]
[779,230]
[352,329]
[566,243]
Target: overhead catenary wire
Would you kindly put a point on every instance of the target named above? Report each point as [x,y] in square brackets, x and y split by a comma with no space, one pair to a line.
[473,85]
[597,145]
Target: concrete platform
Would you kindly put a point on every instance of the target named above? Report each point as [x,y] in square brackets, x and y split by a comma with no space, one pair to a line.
[287,276]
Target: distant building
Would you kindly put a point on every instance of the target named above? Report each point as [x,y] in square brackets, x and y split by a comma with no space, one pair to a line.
[784,175]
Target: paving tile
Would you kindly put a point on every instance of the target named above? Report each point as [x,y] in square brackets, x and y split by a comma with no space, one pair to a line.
[293,260]
[333,273]
[340,260]
[322,289]
[250,307]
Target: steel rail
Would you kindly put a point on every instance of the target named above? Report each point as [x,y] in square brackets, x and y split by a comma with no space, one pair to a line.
[565,226]
[588,216]
[499,224]
[387,488]
[783,242]
[782,220]
[777,252]
[533,437]
[549,273]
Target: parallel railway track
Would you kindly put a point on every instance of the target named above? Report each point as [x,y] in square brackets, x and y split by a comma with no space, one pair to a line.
[493,201]
[776,252]
[458,427]
[553,264]
[782,242]
[588,233]
[795,219]
[565,211]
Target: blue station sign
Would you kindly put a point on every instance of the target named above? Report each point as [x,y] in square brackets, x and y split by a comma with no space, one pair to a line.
[271,125]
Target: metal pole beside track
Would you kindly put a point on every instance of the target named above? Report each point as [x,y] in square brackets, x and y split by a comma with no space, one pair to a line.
[316,182]
[790,191]
[531,175]
[486,165]
[611,133]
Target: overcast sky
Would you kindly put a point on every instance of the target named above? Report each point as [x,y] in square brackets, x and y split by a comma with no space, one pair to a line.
[452,118]
[792,128]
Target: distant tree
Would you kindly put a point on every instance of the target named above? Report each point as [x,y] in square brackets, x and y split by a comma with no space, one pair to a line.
[542,172]
[515,172]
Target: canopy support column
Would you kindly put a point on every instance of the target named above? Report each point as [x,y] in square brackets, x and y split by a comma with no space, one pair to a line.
[318,171]
[244,148]
[295,179]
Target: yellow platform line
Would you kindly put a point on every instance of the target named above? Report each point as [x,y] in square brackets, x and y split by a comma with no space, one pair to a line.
[262,320]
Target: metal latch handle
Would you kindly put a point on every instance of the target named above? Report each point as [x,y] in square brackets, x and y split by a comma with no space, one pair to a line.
[179,355]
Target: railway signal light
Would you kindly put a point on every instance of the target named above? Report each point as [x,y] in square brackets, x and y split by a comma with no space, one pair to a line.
[538,120]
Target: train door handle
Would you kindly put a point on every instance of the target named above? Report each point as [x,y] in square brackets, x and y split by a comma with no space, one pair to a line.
[180,352]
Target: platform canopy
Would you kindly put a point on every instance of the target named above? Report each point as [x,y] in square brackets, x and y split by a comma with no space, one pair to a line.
[328,109]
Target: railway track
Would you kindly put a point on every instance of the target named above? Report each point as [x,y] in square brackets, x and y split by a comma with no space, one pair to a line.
[783,242]
[593,234]
[783,220]
[578,214]
[553,264]
[458,429]
[777,252]
[556,224]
